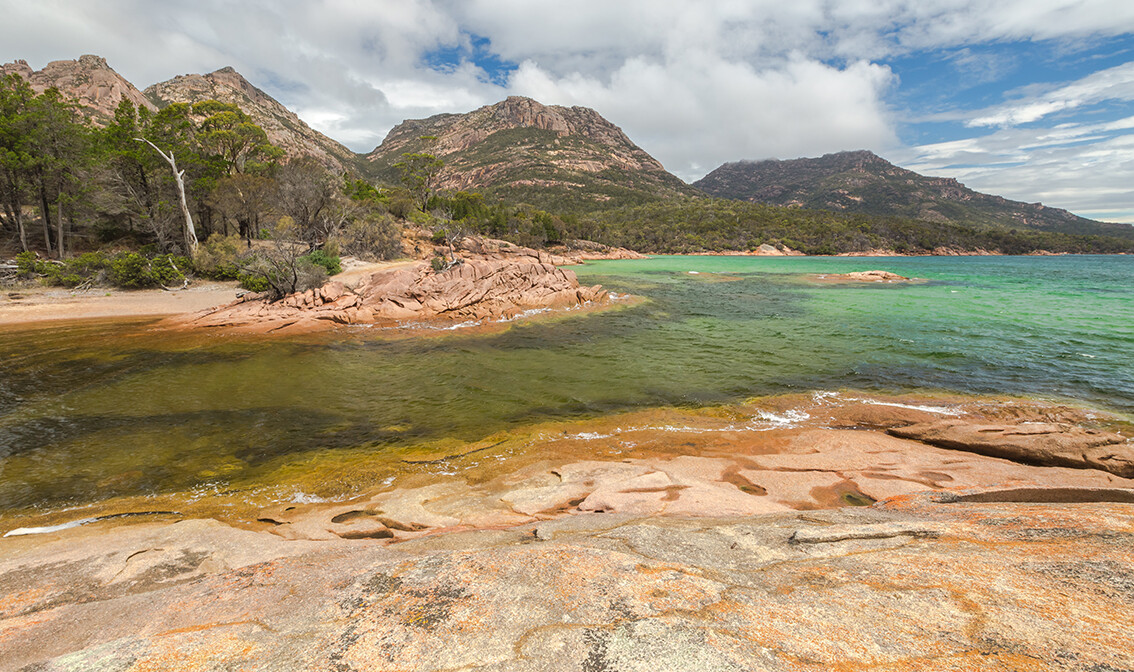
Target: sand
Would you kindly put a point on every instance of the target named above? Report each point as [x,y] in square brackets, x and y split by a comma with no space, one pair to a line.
[32,304]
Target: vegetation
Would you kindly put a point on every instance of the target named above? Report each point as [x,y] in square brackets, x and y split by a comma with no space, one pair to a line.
[698,225]
[113,205]
[126,204]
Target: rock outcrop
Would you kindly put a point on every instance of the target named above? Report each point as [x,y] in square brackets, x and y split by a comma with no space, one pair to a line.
[1048,444]
[669,539]
[916,584]
[863,276]
[89,81]
[474,291]
[283,127]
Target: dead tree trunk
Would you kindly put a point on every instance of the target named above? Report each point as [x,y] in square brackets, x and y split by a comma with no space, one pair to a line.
[178,176]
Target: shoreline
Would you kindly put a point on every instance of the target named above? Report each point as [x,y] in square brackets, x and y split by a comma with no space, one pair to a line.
[31,305]
[685,535]
[500,465]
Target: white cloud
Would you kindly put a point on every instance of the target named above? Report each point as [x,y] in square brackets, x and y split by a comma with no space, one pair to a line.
[1115,83]
[694,82]
[695,114]
[1084,168]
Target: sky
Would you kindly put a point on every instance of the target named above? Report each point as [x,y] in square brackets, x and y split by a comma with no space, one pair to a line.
[1029,99]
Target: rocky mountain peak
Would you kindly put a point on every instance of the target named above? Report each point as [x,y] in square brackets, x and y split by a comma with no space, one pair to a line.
[532,151]
[89,81]
[284,128]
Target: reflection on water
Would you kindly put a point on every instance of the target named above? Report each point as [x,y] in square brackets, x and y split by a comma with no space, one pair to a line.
[100,410]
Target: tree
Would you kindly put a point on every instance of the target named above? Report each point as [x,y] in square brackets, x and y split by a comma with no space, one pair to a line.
[419,175]
[243,198]
[308,193]
[16,158]
[230,134]
[178,175]
[60,149]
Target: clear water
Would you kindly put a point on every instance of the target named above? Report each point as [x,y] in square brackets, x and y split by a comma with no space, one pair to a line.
[97,410]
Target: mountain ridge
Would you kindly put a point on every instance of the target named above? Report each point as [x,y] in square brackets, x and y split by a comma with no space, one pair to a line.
[519,147]
[863,182]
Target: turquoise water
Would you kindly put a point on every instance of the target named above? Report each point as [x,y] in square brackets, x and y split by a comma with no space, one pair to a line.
[97,410]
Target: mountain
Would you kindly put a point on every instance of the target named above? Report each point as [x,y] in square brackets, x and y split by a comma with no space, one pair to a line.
[89,81]
[285,130]
[566,158]
[863,182]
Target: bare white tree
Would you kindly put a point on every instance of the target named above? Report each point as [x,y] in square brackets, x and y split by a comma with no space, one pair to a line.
[178,176]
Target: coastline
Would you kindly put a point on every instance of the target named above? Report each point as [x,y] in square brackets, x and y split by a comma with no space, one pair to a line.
[705,532]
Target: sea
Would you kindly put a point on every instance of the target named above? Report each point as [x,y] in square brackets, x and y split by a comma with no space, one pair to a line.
[102,409]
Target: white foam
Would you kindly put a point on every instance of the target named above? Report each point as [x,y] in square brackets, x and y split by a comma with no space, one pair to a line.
[588,436]
[21,531]
[789,418]
[527,313]
[940,410]
[304,498]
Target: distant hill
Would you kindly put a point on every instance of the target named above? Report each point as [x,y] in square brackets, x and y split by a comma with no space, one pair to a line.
[565,158]
[862,182]
[89,81]
[285,130]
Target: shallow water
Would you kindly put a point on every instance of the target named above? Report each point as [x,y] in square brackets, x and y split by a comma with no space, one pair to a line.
[98,410]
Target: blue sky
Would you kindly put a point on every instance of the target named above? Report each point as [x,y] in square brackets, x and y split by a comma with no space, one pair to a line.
[1029,99]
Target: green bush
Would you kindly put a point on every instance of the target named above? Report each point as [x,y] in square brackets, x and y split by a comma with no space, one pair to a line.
[27,264]
[131,270]
[438,264]
[219,257]
[328,261]
[254,283]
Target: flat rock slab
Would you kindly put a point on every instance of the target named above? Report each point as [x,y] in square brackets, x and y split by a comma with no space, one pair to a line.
[1045,444]
[917,584]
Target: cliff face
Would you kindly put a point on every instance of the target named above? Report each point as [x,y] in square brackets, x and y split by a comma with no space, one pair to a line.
[540,153]
[284,128]
[89,81]
[864,182]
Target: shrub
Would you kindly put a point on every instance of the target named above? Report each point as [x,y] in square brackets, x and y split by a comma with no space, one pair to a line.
[132,271]
[372,236]
[328,261]
[438,263]
[219,257]
[27,264]
[254,283]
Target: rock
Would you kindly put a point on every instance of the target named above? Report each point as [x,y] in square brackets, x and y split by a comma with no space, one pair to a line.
[478,290]
[865,276]
[926,585]
[835,533]
[1045,444]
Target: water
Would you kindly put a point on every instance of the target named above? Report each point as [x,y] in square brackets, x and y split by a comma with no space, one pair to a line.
[102,410]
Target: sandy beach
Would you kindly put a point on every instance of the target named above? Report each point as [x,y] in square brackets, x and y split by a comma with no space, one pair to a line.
[35,303]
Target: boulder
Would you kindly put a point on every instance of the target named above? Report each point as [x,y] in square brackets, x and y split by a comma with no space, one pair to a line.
[492,288]
[1039,443]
